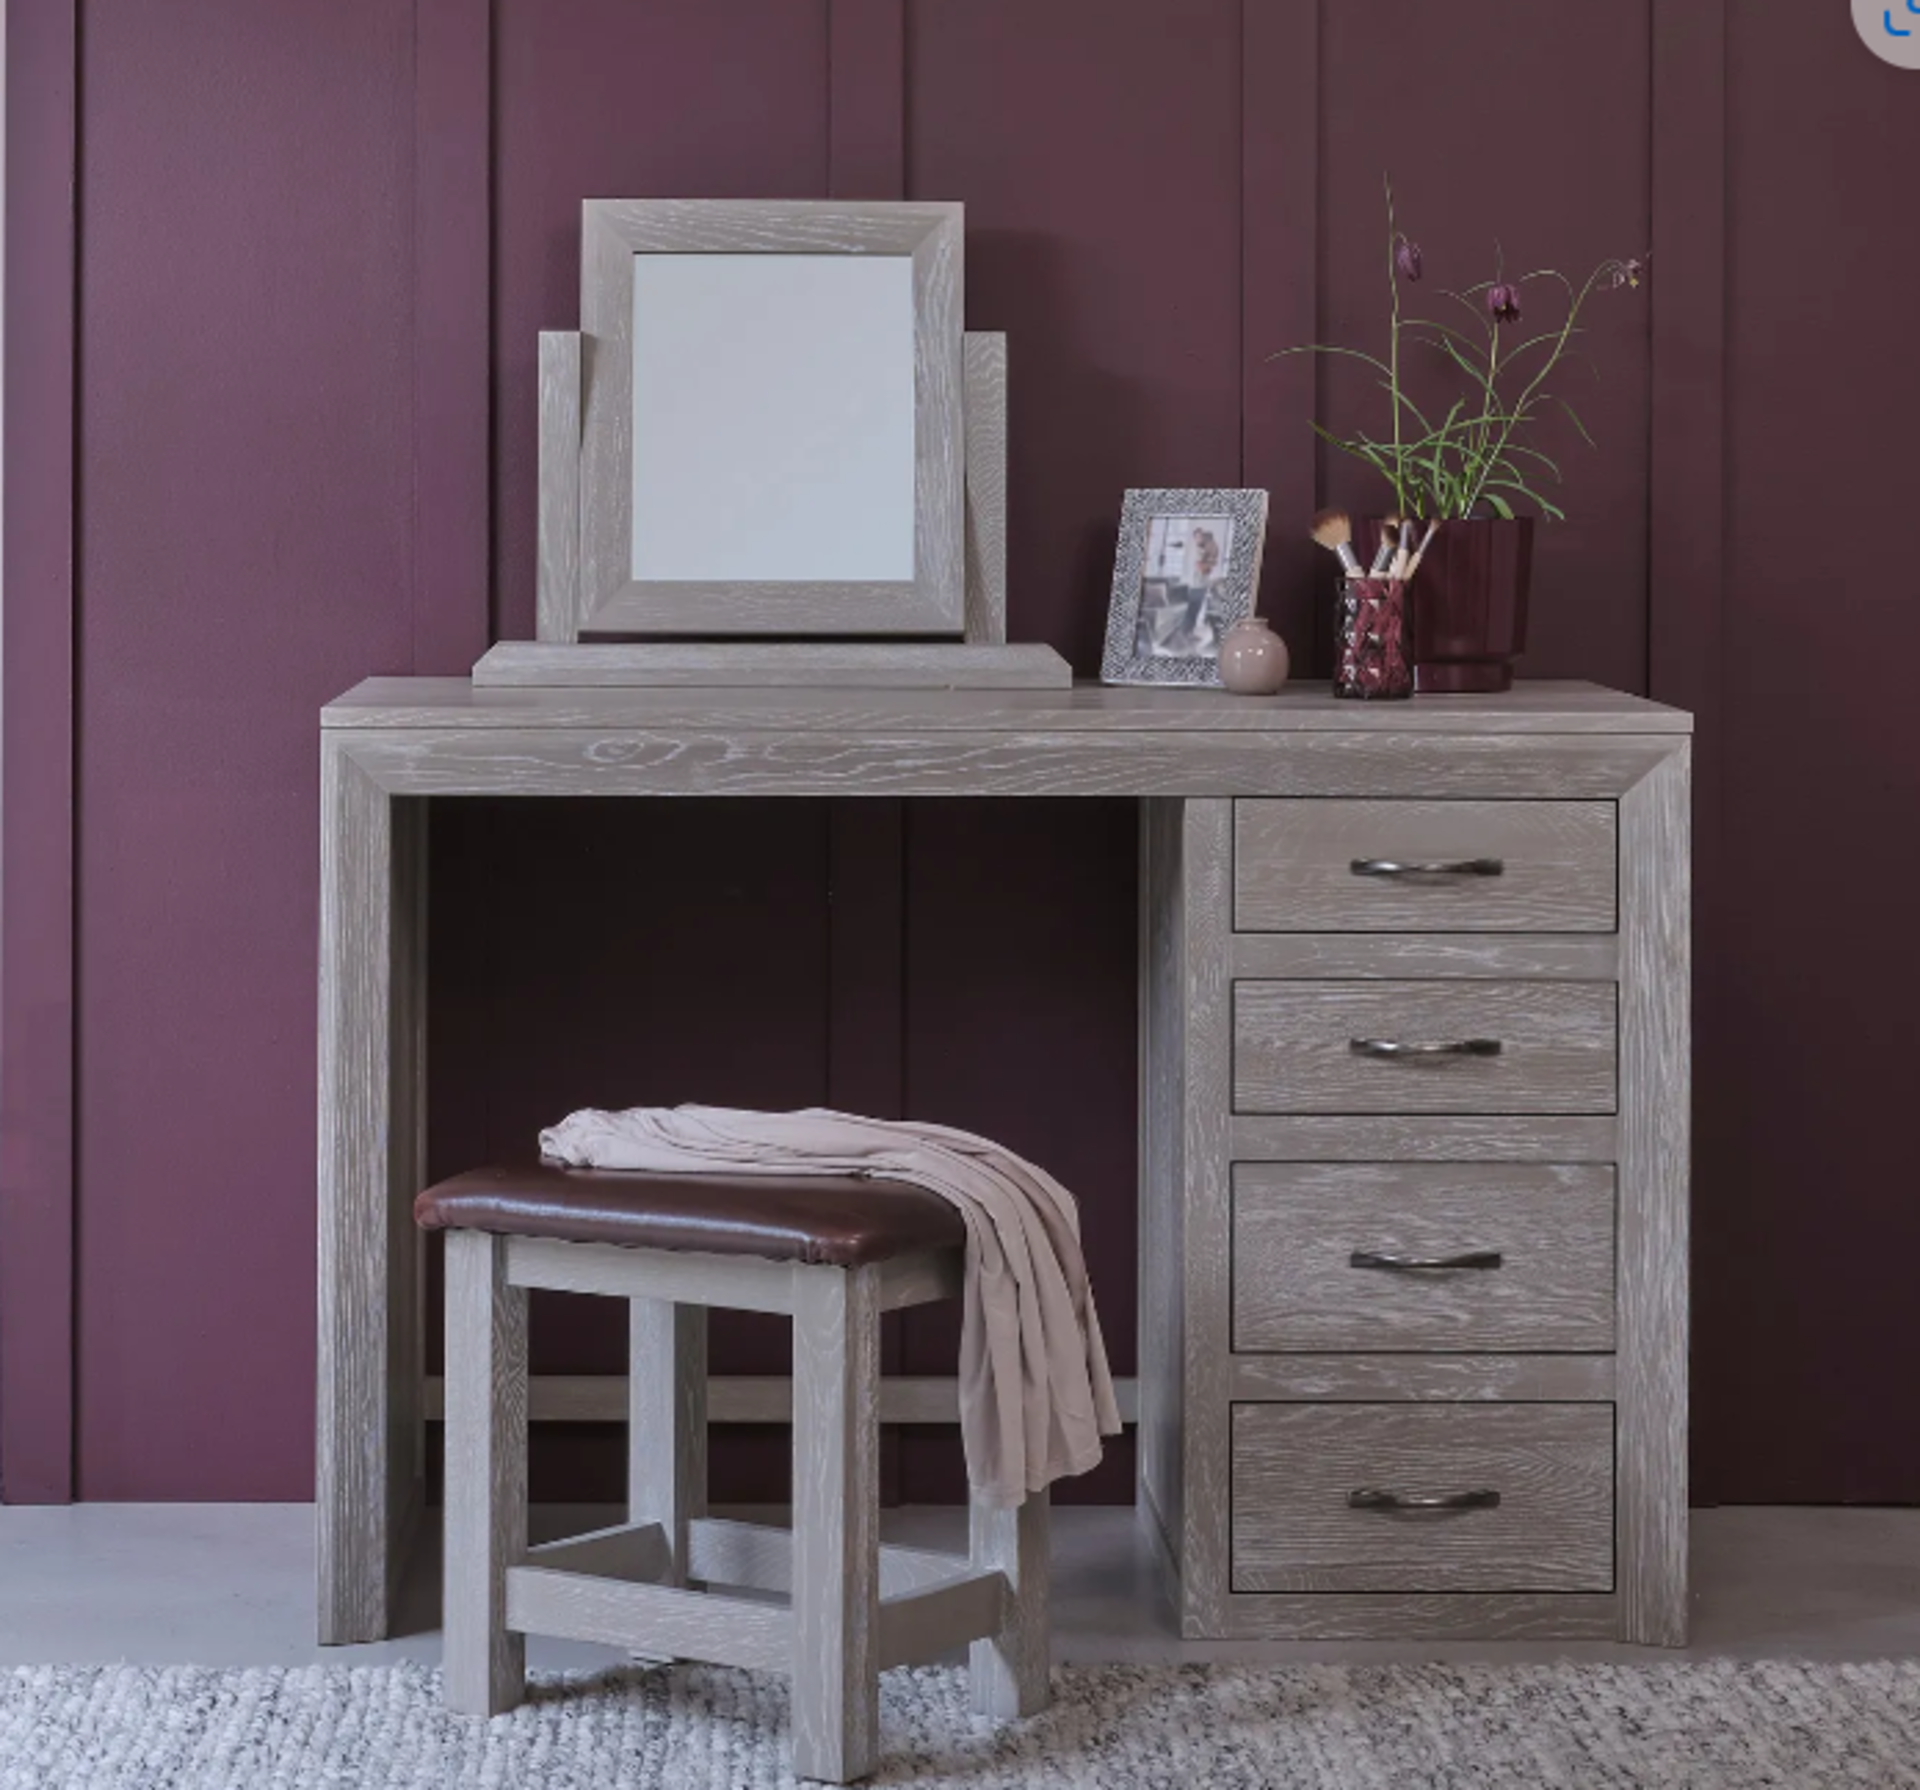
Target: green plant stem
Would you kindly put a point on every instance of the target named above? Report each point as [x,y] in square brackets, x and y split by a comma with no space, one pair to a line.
[1511,418]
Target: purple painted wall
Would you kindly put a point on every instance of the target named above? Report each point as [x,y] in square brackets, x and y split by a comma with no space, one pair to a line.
[314,243]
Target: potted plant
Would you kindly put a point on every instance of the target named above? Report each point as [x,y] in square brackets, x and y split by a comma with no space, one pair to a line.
[1473,469]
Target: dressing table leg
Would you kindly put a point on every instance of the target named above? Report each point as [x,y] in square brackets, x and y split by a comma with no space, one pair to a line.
[369,1442]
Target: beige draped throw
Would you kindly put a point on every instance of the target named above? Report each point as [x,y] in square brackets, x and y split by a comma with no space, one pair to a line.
[1035,1393]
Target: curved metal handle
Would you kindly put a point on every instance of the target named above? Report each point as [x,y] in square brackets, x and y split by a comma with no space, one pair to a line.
[1391,1047]
[1373,1497]
[1456,867]
[1408,1264]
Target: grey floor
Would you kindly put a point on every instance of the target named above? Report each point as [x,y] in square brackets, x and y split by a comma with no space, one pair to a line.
[233,1585]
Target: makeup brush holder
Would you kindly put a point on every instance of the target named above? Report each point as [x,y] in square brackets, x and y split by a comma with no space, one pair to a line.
[1373,658]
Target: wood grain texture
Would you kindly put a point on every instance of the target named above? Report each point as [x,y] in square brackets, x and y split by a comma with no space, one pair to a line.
[746,1398]
[637,1552]
[1293,1047]
[1655,1158]
[1548,709]
[667,1421]
[984,370]
[1009,1666]
[1162,1208]
[1206,1195]
[654,1621]
[1433,1137]
[1411,1616]
[613,232]
[1293,866]
[1423,957]
[809,665]
[1294,1465]
[561,762]
[836,1523]
[1297,1226]
[921,1624]
[758,1557]
[359,1285]
[557,590]
[1374,1378]
[743,1283]
[485,1658]
[406,1174]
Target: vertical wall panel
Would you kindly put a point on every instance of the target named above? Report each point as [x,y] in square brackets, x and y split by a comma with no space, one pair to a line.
[1808,1337]
[1097,148]
[288,480]
[37,1090]
[1280,306]
[1509,123]
[1686,603]
[671,99]
[245,515]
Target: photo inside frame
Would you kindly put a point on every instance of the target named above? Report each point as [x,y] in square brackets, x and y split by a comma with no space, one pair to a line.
[1186,557]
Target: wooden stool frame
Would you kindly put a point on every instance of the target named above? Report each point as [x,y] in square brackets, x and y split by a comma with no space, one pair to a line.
[854,1607]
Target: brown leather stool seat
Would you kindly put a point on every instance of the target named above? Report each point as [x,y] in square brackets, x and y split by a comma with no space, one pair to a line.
[825,1221]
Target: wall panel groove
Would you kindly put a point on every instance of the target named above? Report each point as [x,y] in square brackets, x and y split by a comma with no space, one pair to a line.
[453,320]
[37,1070]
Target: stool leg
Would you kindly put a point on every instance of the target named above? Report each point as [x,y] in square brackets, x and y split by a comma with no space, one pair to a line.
[485,1667]
[667,1421]
[1009,1670]
[836,1522]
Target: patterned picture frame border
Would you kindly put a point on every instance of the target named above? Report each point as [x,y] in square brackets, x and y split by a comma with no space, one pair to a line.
[1232,596]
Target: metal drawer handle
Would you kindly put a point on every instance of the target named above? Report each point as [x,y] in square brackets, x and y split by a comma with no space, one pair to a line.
[1390,1047]
[1406,1264]
[1373,1497]
[1455,867]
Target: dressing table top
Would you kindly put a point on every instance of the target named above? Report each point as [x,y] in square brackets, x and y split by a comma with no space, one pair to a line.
[1544,707]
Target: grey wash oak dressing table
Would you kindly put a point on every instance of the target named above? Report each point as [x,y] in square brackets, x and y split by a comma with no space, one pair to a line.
[1414,1161]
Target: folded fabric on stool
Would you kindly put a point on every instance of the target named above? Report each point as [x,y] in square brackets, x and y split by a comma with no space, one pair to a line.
[1035,1392]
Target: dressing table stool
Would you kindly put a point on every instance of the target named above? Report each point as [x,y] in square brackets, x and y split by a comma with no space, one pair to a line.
[831,1253]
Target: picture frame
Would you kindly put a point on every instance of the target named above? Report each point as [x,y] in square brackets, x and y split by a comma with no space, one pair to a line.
[1187,568]
[885,556]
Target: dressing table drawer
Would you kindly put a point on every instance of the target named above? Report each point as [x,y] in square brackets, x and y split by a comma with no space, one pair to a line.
[1403,1257]
[1424,1047]
[1422,1498]
[1393,866]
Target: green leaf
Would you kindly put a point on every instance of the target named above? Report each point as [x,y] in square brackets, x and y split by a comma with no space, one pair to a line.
[1329,348]
[1499,506]
[1577,423]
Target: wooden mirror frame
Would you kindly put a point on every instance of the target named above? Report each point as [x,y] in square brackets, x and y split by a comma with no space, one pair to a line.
[609,601]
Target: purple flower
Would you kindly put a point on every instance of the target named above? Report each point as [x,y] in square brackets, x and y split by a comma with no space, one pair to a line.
[1629,273]
[1504,302]
[1406,257]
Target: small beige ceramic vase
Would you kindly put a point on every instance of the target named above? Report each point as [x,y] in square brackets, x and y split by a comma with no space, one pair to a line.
[1253,659]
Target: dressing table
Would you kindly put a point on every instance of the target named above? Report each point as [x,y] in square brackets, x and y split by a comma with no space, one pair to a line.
[1414,1108]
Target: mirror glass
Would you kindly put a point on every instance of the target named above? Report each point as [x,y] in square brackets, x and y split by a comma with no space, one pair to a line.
[773,418]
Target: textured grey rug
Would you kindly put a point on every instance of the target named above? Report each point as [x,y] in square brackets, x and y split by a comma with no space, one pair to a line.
[1588,1727]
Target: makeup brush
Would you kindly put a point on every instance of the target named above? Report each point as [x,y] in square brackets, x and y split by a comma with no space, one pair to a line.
[1389,540]
[1420,553]
[1403,553]
[1333,529]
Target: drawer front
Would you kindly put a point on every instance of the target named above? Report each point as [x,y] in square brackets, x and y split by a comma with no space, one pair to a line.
[1423,1047]
[1331,1257]
[1296,1469]
[1317,866]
